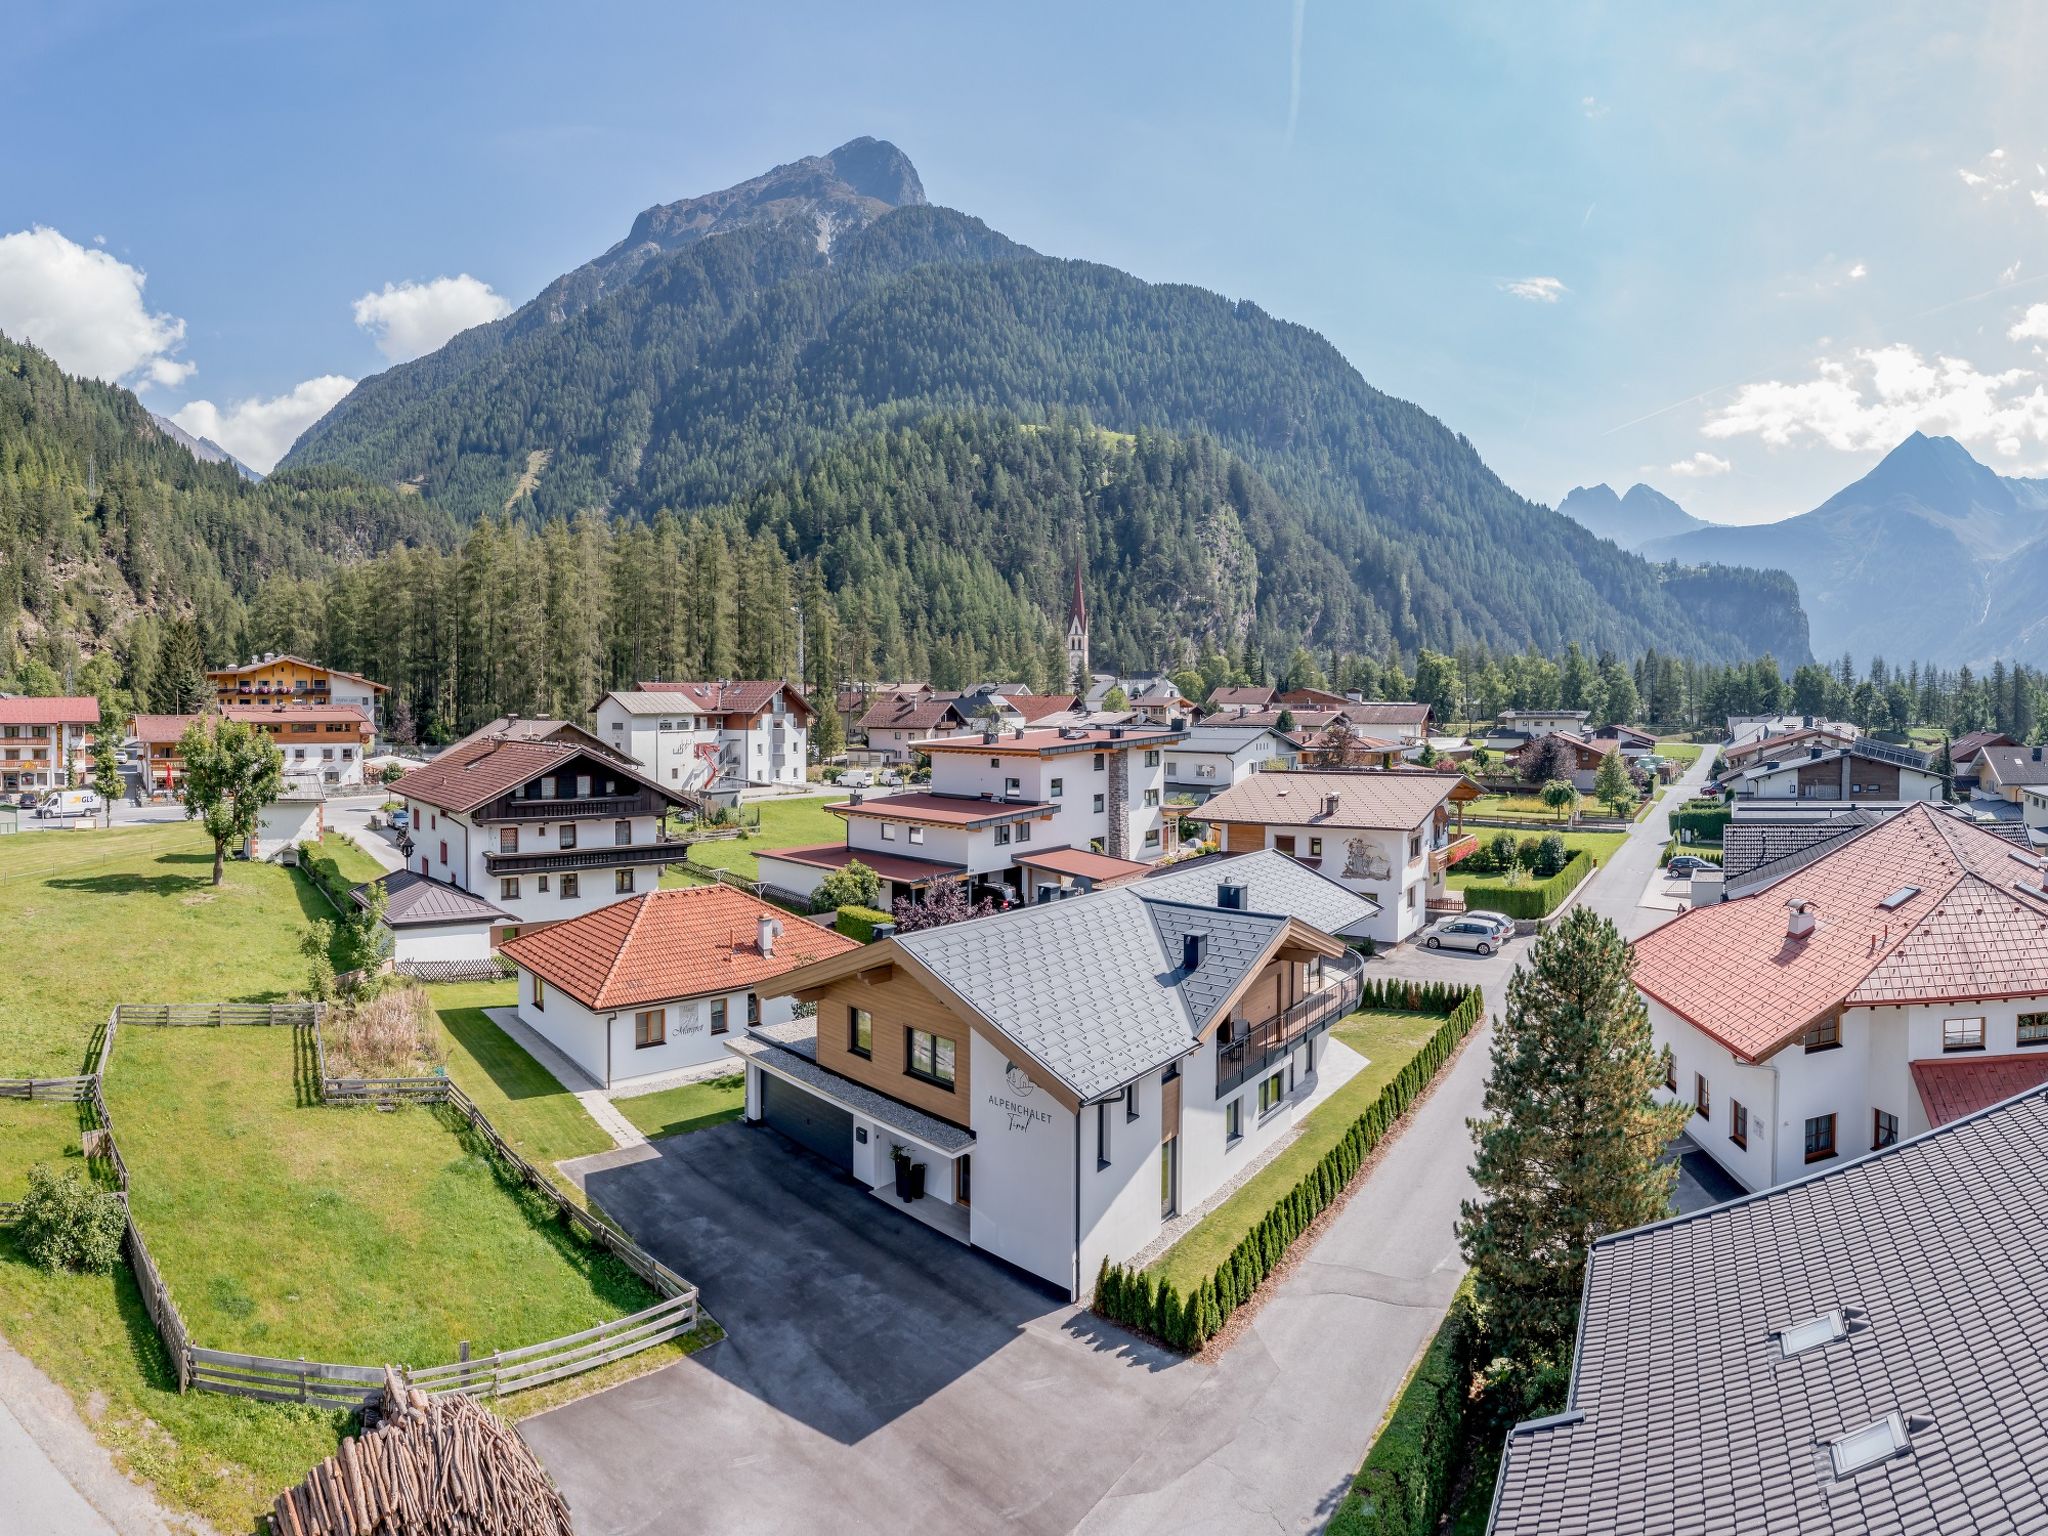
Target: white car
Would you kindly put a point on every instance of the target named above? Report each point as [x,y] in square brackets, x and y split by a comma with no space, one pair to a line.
[1462,932]
[856,778]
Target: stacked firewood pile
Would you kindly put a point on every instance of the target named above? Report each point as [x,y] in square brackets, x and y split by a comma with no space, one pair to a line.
[440,1466]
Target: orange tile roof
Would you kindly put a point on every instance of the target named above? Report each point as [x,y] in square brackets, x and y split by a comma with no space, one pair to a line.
[1967,932]
[1036,706]
[668,944]
[890,866]
[296,714]
[943,810]
[155,728]
[1086,864]
[1950,1089]
[70,710]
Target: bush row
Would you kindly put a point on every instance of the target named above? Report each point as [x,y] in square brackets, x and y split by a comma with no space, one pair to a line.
[324,871]
[1499,852]
[1187,1322]
[859,922]
[1705,823]
[1698,850]
[1408,1474]
[1392,994]
[1529,901]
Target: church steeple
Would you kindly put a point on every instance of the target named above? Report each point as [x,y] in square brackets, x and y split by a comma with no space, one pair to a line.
[1077,635]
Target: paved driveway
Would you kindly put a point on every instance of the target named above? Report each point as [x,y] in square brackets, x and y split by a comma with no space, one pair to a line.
[878,1376]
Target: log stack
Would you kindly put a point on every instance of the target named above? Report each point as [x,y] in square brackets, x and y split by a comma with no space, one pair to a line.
[439,1466]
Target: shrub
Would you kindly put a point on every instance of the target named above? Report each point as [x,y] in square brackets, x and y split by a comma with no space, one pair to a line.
[390,1034]
[1188,1322]
[1526,851]
[1413,1464]
[1530,901]
[1500,851]
[859,922]
[1703,822]
[1551,856]
[850,885]
[67,1224]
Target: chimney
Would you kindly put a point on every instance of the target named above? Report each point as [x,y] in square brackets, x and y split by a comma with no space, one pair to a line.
[1018,734]
[1180,722]
[2037,754]
[1813,751]
[1116,733]
[1194,948]
[766,931]
[1230,896]
[853,797]
[1330,804]
[990,736]
[1800,918]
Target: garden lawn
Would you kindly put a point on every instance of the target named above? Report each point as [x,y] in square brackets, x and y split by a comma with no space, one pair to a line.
[1387,1041]
[98,918]
[355,865]
[1518,808]
[785,823]
[31,1133]
[1600,844]
[1678,749]
[690,1107]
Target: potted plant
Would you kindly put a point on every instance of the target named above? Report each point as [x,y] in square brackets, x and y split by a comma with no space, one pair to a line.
[900,1156]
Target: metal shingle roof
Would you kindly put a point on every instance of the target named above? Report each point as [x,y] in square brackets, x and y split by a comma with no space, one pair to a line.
[1692,1422]
[1273,883]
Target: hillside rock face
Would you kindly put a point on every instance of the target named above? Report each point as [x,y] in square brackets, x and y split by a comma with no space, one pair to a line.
[734,339]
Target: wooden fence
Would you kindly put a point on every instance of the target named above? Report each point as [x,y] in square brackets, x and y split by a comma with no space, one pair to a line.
[323,1384]
[51,1090]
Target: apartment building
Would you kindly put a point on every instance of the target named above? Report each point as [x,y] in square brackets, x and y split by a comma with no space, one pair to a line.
[543,830]
[286,679]
[46,743]
[1068,1076]
[322,743]
[691,736]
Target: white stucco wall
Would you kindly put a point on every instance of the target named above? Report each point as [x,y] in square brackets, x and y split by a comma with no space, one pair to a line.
[580,1034]
[464,864]
[286,824]
[467,941]
[1401,892]
[1023,1203]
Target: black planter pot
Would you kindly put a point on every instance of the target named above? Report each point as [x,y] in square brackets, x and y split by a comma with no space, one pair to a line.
[903,1180]
[916,1181]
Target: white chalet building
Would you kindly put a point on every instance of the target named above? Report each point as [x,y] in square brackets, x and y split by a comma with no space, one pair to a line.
[996,797]
[1887,987]
[1214,757]
[690,736]
[542,830]
[1068,1076]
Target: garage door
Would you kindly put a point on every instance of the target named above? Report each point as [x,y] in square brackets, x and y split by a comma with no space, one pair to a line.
[808,1120]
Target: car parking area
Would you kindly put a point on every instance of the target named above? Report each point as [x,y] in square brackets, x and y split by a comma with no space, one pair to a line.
[877,1375]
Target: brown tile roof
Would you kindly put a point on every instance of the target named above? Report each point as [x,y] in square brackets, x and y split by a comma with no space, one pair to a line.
[942,810]
[259,714]
[1047,741]
[150,729]
[1036,706]
[1231,698]
[66,710]
[1404,712]
[1389,801]
[1967,932]
[253,666]
[1320,698]
[890,866]
[1086,864]
[481,768]
[1950,1089]
[667,944]
[748,697]
[1963,748]
[912,714]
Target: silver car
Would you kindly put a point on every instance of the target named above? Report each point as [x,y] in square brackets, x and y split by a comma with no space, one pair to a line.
[1462,932]
[1502,923]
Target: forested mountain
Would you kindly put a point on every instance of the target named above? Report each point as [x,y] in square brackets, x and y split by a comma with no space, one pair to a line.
[1930,554]
[1631,520]
[104,518]
[736,361]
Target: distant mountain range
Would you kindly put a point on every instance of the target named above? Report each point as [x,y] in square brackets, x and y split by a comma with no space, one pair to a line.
[204,449]
[736,340]
[1930,556]
[1632,520]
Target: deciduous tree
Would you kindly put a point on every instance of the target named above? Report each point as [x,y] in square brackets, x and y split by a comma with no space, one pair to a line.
[232,771]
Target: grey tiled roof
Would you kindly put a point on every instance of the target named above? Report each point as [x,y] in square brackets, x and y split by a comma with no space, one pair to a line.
[415,900]
[1092,987]
[1273,883]
[1684,1417]
[1757,852]
[786,1057]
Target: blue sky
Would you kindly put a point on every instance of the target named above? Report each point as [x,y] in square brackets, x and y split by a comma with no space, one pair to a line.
[1734,252]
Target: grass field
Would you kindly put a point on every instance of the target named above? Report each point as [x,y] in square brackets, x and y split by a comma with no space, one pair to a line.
[790,823]
[1678,749]
[1387,1041]
[1518,807]
[33,1133]
[1600,844]
[691,1107]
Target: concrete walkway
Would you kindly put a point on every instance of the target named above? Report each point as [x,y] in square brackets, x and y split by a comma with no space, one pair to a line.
[56,1478]
[589,1093]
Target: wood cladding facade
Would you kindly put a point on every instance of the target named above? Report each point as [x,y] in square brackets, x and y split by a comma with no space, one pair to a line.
[896,1005]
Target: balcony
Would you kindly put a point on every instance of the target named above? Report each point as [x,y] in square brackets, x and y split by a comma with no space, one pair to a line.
[619,856]
[1264,1044]
[1449,850]
[641,803]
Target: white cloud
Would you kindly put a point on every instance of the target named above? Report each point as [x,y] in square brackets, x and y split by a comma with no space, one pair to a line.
[2010,272]
[85,309]
[1701,466]
[1593,107]
[1972,179]
[1857,271]
[2031,326]
[259,431]
[1880,395]
[409,319]
[1538,290]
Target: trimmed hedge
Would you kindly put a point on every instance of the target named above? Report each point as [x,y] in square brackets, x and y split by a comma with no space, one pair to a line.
[1408,1474]
[1674,848]
[325,871]
[859,922]
[1539,899]
[1186,1322]
[1701,823]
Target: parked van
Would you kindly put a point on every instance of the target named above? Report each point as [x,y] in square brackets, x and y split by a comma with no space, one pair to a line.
[856,778]
[71,802]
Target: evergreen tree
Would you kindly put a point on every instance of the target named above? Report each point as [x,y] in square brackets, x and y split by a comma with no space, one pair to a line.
[1611,785]
[179,686]
[1569,1145]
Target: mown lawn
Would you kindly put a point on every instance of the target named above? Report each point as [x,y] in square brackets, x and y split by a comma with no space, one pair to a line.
[690,1107]
[1679,750]
[98,918]
[1520,808]
[790,823]
[1600,844]
[1387,1041]
[32,1132]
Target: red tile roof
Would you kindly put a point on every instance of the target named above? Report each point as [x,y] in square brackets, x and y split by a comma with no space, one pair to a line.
[1967,932]
[1231,698]
[942,810]
[481,768]
[1950,1089]
[67,710]
[1036,706]
[150,729]
[289,714]
[890,866]
[668,944]
[1086,864]
[747,697]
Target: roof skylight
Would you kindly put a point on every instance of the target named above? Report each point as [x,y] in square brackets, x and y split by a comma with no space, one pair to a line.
[1800,1337]
[1866,1447]
[1900,897]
